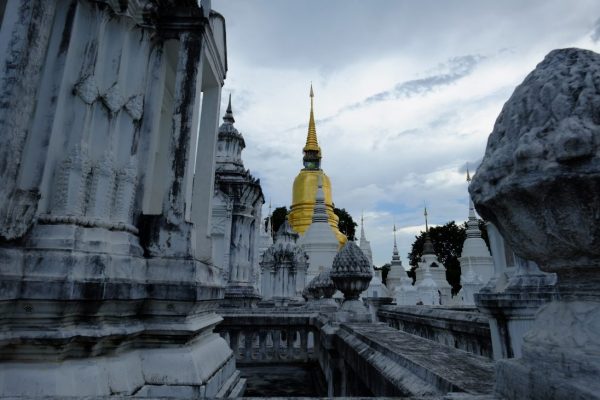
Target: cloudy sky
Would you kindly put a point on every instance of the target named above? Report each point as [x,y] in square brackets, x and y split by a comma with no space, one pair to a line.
[406,94]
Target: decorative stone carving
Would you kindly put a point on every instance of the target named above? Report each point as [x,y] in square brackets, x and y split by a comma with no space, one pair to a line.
[135,106]
[113,99]
[70,183]
[17,216]
[125,193]
[539,183]
[87,89]
[102,188]
[283,267]
[351,274]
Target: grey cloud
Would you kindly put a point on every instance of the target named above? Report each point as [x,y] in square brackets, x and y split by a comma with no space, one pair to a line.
[267,153]
[596,31]
[455,69]
[449,72]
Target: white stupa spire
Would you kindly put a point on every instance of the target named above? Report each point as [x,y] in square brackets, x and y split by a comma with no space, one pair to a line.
[319,240]
[395,255]
[476,263]
[365,245]
[472,224]
[320,212]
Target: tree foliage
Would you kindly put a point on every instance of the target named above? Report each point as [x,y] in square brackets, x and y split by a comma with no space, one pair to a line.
[346,225]
[447,241]
[278,218]
[385,269]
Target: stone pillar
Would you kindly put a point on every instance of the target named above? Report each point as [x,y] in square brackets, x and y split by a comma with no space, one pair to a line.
[172,235]
[539,183]
[205,171]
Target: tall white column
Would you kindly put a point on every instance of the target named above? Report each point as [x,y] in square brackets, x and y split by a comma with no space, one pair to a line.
[204,176]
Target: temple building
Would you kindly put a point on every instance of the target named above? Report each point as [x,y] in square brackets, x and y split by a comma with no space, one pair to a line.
[305,185]
[236,216]
[319,241]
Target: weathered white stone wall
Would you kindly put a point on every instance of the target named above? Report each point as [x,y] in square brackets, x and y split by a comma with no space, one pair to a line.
[106,181]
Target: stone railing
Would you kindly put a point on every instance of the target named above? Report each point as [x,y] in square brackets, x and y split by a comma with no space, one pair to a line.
[269,337]
[364,359]
[461,328]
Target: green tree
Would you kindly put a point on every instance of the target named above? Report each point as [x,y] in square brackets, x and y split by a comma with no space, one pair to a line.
[346,225]
[278,218]
[385,269]
[447,241]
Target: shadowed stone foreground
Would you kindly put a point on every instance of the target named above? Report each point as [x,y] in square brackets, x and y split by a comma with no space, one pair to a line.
[299,379]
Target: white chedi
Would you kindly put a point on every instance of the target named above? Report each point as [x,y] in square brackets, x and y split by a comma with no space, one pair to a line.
[428,292]
[398,282]
[476,263]
[376,287]
[471,284]
[319,242]
[432,266]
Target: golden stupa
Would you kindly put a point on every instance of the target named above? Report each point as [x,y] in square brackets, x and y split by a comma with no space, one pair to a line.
[304,192]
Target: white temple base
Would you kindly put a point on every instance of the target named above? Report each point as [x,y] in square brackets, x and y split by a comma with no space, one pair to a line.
[200,368]
[561,356]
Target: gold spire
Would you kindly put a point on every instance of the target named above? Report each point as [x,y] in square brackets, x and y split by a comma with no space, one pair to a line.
[468,175]
[311,138]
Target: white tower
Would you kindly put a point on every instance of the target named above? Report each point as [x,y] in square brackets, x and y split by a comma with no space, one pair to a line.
[398,282]
[437,271]
[476,263]
[319,241]
[376,287]
[364,244]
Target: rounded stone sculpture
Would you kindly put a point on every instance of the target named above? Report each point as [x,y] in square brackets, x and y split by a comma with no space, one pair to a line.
[319,292]
[324,284]
[351,274]
[312,291]
[539,183]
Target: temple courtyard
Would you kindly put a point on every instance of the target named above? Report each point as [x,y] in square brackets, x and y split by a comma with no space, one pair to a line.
[141,257]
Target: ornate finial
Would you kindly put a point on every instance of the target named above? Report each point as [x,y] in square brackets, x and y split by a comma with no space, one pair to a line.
[468,175]
[362,227]
[312,145]
[228,113]
[427,246]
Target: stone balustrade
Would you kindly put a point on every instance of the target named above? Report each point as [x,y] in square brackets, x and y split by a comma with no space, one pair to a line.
[352,356]
[461,328]
[269,338]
